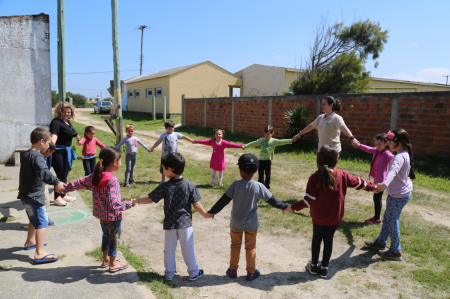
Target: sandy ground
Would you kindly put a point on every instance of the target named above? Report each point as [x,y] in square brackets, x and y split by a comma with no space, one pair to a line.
[280,258]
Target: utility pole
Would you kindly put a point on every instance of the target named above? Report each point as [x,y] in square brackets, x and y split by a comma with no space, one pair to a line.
[116,56]
[61,52]
[446,83]
[142,28]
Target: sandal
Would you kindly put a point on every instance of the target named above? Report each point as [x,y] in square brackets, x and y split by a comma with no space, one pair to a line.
[123,266]
[104,266]
[212,184]
[373,221]
[59,202]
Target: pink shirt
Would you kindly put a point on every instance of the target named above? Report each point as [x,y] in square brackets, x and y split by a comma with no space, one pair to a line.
[89,146]
[218,155]
[380,162]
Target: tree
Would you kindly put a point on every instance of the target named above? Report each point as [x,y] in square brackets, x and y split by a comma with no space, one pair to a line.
[337,57]
[55,98]
[78,100]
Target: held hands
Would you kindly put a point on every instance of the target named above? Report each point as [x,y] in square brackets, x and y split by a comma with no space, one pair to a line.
[295,138]
[208,215]
[79,142]
[194,142]
[355,143]
[379,188]
[243,147]
[150,150]
[133,202]
[289,208]
[60,187]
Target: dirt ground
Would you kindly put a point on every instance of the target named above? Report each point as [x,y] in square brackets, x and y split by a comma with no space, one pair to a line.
[280,258]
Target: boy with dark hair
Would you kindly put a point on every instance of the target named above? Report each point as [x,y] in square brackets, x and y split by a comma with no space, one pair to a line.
[268,145]
[34,174]
[245,194]
[169,143]
[179,195]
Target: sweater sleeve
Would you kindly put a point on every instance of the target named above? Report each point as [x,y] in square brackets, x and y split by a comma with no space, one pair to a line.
[254,143]
[310,197]
[358,183]
[141,143]
[114,198]
[396,165]
[205,142]
[100,145]
[390,155]
[220,204]
[279,142]
[120,144]
[83,140]
[80,183]
[368,149]
[40,168]
[230,144]
[274,202]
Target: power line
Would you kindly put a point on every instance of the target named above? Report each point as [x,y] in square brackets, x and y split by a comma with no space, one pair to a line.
[97,72]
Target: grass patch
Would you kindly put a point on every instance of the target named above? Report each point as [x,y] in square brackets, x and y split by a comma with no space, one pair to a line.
[96,254]
[2,178]
[5,267]
[6,207]
[8,218]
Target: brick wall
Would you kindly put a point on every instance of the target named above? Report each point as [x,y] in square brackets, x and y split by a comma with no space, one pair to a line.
[425,115]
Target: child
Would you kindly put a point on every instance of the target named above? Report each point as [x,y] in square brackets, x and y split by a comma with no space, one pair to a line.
[34,174]
[169,143]
[325,196]
[179,194]
[51,149]
[399,188]
[268,145]
[132,148]
[89,151]
[378,170]
[245,194]
[108,204]
[218,156]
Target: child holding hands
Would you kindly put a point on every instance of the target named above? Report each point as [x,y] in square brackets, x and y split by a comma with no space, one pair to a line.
[108,204]
[219,145]
[179,195]
[89,151]
[325,196]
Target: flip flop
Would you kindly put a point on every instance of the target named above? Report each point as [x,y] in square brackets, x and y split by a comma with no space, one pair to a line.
[32,247]
[44,260]
[104,266]
[120,268]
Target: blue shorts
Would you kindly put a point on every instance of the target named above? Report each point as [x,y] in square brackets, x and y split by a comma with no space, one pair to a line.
[36,213]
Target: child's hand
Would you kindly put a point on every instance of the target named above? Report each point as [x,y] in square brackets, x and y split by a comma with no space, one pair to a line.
[295,138]
[243,147]
[150,150]
[60,187]
[133,202]
[379,187]
[208,215]
[194,142]
[79,142]
[355,143]
[289,208]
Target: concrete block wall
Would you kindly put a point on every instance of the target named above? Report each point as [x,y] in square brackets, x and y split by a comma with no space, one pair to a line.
[425,115]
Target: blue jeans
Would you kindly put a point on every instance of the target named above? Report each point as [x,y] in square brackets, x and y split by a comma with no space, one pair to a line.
[391,227]
[36,213]
[130,161]
[111,236]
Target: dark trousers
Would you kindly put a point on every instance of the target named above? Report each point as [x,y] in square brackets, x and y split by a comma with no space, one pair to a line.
[264,168]
[61,167]
[378,203]
[325,233]
[89,165]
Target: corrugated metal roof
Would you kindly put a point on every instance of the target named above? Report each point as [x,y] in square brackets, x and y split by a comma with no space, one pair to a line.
[410,82]
[160,74]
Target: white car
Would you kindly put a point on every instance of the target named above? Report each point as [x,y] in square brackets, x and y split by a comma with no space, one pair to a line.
[102,106]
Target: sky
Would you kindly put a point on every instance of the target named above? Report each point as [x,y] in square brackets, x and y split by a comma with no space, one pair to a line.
[234,35]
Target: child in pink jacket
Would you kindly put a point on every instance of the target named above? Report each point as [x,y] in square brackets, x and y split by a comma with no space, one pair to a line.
[89,151]
[378,170]
[218,156]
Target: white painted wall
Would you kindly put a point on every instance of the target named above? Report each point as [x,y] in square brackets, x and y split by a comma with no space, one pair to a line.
[124,97]
[262,80]
[25,82]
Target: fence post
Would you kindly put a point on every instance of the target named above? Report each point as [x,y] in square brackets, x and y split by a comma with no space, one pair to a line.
[319,103]
[153,108]
[164,108]
[232,115]
[183,110]
[394,113]
[270,112]
[204,115]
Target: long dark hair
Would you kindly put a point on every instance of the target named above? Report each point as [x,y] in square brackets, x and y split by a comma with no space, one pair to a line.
[108,155]
[403,137]
[335,102]
[326,161]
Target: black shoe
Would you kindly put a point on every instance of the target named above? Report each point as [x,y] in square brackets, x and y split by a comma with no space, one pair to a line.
[311,269]
[51,223]
[253,276]
[200,274]
[231,273]
[391,255]
[375,244]
[323,272]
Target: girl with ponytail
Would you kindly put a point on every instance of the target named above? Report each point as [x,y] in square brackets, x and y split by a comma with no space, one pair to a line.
[399,187]
[108,204]
[325,195]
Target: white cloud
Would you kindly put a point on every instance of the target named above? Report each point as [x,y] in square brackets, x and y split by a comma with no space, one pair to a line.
[279,57]
[433,75]
[413,45]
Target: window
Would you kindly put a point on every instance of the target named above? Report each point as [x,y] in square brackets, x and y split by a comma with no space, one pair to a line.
[130,94]
[137,93]
[149,92]
[159,92]
[106,103]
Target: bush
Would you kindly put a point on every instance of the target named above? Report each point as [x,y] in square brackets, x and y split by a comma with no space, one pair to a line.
[298,119]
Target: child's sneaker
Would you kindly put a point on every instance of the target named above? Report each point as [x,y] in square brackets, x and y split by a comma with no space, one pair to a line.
[253,276]
[373,221]
[391,255]
[323,272]
[126,185]
[51,223]
[376,244]
[131,182]
[311,269]
[231,273]
[200,274]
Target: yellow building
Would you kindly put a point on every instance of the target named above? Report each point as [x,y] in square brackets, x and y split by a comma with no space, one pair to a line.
[394,85]
[199,80]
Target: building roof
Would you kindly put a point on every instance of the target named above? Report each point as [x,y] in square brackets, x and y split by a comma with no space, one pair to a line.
[409,82]
[282,67]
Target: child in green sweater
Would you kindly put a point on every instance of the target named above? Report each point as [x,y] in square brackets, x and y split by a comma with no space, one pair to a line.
[268,145]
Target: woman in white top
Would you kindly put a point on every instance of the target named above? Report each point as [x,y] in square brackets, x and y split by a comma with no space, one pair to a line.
[330,125]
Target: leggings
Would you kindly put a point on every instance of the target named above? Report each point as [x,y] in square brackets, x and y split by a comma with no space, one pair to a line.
[61,167]
[378,203]
[264,168]
[89,165]
[325,233]
[214,175]
[130,162]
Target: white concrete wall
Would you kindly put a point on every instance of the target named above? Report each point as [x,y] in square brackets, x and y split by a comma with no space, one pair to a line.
[262,80]
[124,97]
[25,82]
